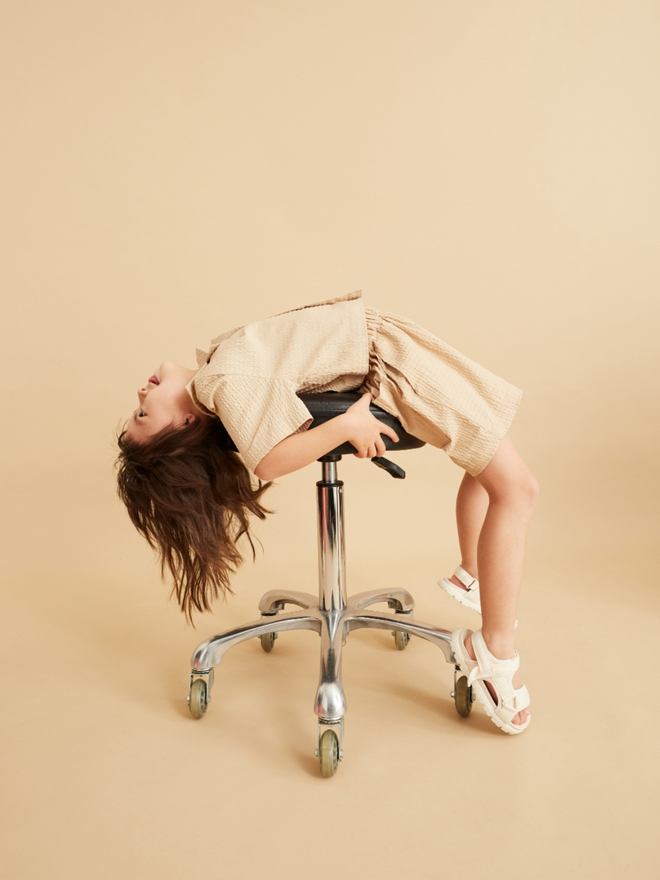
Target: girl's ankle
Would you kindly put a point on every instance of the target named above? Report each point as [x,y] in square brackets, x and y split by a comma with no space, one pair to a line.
[471,569]
[500,646]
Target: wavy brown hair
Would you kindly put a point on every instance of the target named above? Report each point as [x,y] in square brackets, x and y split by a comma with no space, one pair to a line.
[189,494]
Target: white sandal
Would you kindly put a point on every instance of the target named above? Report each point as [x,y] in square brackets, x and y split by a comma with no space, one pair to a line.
[498,673]
[470,595]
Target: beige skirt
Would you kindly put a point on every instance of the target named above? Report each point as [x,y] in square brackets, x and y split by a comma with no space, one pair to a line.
[438,394]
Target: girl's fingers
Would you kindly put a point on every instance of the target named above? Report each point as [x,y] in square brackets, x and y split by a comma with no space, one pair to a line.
[374,443]
[391,433]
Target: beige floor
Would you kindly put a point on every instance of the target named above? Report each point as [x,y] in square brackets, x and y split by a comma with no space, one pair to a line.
[108,775]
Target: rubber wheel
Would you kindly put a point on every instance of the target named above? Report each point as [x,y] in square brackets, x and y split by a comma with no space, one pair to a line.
[267,642]
[198,698]
[463,697]
[401,640]
[329,753]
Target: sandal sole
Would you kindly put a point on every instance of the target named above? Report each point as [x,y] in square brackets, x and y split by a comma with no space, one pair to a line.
[460,595]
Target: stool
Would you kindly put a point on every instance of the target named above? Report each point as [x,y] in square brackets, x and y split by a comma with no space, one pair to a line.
[333,616]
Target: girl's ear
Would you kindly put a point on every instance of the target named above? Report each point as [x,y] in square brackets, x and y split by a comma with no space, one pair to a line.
[190,418]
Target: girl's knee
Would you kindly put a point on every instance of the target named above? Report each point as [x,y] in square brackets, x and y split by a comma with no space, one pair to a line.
[520,489]
[508,479]
[530,488]
[534,488]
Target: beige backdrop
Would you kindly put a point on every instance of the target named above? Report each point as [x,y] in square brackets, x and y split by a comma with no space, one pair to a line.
[171,170]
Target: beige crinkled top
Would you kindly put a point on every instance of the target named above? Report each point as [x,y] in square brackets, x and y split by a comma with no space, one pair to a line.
[250,376]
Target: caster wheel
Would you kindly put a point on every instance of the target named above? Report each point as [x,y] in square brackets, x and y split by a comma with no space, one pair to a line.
[198,699]
[401,640]
[267,641]
[463,697]
[329,753]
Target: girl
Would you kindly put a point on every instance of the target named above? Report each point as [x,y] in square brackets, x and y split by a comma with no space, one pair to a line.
[190,494]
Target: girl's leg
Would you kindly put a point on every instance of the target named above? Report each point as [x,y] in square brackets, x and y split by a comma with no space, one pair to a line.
[512,491]
[471,508]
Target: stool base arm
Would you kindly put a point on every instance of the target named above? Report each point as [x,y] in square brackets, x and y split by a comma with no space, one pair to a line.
[397,599]
[211,651]
[275,600]
[376,620]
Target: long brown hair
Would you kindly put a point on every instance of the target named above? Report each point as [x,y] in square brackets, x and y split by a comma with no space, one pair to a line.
[189,494]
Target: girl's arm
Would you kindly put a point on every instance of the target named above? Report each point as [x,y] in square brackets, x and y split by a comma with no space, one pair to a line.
[357,426]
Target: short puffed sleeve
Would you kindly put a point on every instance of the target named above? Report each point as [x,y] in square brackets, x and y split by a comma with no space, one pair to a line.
[257,412]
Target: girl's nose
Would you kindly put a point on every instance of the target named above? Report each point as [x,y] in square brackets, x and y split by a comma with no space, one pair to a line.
[141,394]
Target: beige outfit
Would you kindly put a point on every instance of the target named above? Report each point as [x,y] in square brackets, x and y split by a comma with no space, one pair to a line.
[250,378]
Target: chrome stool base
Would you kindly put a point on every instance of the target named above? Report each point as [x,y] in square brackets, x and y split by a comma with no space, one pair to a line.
[331,615]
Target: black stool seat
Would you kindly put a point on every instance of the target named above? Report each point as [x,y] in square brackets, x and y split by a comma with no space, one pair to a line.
[329,404]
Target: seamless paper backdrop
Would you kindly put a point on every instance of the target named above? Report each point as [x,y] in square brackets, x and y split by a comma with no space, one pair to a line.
[172,170]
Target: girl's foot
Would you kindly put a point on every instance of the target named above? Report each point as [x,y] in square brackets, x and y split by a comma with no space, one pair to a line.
[518,720]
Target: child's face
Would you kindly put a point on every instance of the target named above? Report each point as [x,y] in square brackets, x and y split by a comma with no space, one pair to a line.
[163,401]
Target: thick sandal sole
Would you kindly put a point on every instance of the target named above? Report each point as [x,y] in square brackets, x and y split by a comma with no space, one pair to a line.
[461,596]
[482,693]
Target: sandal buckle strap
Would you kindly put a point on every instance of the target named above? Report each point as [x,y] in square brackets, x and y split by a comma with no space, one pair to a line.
[466,579]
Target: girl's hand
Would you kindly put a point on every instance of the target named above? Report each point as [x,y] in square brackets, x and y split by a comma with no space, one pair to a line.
[364,429]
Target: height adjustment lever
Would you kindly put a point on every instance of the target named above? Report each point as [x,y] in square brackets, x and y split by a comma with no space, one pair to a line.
[392,469]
